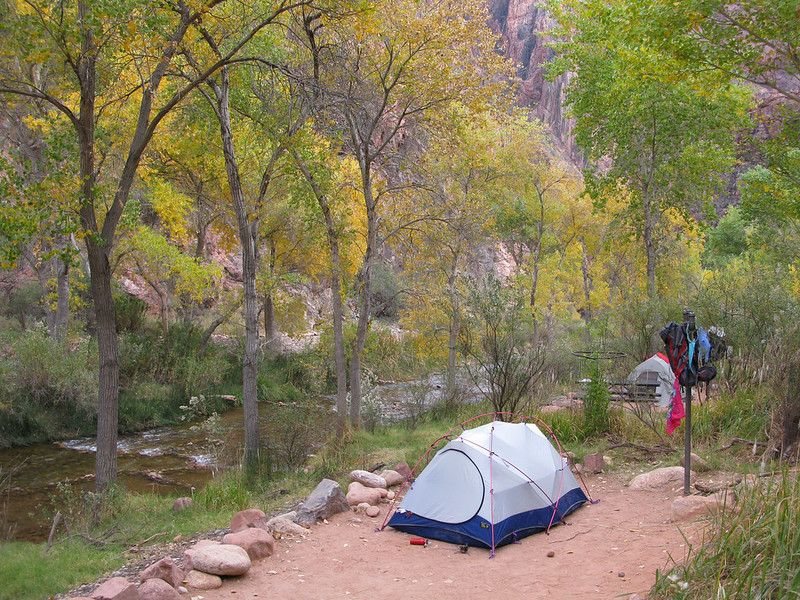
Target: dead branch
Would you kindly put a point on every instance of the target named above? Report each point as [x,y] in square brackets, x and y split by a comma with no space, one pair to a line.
[138,545]
[735,441]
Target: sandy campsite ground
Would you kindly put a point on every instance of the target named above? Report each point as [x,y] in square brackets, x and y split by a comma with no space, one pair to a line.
[608,549]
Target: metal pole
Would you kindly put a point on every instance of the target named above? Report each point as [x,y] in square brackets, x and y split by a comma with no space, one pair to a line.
[690,328]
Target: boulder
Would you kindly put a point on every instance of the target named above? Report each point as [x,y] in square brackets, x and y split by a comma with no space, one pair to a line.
[256,542]
[593,463]
[116,588]
[326,500]
[403,469]
[157,589]
[367,479]
[164,569]
[358,493]
[203,581]
[221,559]
[696,464]
[666,477]
[244,519]
[691,507]
[392,477]
[282,526]
[182,504]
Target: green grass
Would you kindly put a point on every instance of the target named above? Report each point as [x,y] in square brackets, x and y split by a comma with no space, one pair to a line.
[28,575]
[753,552]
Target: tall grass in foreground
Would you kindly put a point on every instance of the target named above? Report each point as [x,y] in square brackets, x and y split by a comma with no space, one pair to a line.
[752,552]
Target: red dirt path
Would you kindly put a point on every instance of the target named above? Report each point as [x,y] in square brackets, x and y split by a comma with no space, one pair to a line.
[606,550]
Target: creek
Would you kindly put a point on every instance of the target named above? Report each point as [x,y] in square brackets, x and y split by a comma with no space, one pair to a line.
[164,460]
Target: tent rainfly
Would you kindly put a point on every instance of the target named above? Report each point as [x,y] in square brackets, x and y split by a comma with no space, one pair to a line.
[490,486]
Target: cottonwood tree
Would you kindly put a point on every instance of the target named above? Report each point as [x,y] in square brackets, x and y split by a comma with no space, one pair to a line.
[381,76]
[104,67]
[643,121]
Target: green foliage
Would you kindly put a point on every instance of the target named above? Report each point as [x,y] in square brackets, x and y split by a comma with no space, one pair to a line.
[385,293]
[130,312]
[750,552]
[728,239]
[596,401]
[293,431]
[499,341]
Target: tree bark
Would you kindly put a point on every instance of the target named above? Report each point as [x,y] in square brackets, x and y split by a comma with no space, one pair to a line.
[247,236]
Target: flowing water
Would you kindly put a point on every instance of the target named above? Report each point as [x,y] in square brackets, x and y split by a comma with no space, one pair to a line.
[162,460]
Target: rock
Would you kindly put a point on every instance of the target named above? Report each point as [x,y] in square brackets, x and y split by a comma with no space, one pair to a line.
[690,507]
[289,516]
[392,477]
[362,506]
[391,495]
[372,511]
[182,504]
[609,462]
[593,463]
[403,469]
[258,543]
[222,559]
[621,574]
[358,493]
[203,581]
[384,492]
[666,477]
[326,500]
[252,517]
[697,463]
[367,479]
[551,554]
[282,526]
[165,569]
[157,589]
[116,588]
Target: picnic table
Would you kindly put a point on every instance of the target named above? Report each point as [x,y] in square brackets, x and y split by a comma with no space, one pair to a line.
[643,389]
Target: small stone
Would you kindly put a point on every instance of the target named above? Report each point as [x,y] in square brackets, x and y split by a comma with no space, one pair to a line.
[203,581]
[696,463]
[372,511]
[370,480]
[392,477]
[593,463]
[157,589]
[244,519]
[659,479]
[621,574]
[116,588]
[182,504]
[551,554]
[164,569]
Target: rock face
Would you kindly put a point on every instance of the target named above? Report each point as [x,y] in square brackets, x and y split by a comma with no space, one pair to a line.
[518,22]
[326,500]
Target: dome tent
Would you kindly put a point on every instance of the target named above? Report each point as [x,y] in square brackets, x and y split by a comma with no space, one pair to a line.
[656,369]
[490,486]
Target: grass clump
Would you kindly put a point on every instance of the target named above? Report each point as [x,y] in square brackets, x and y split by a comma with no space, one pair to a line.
[752,552]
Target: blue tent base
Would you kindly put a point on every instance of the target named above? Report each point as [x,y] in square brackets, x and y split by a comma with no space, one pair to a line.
[477,532]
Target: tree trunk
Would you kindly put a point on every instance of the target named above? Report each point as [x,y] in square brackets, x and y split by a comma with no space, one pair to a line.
[453,325]
[62,300]
[650,217]
[340,356]
[365,290]
[270,323]
[247,239]
[587,293]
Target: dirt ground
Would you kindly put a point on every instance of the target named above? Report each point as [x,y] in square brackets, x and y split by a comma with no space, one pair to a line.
[606,550]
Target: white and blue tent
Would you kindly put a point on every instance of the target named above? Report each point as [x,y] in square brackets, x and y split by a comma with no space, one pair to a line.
[490,486]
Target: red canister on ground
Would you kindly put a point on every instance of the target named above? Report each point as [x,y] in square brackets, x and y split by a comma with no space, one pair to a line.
[417,541]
